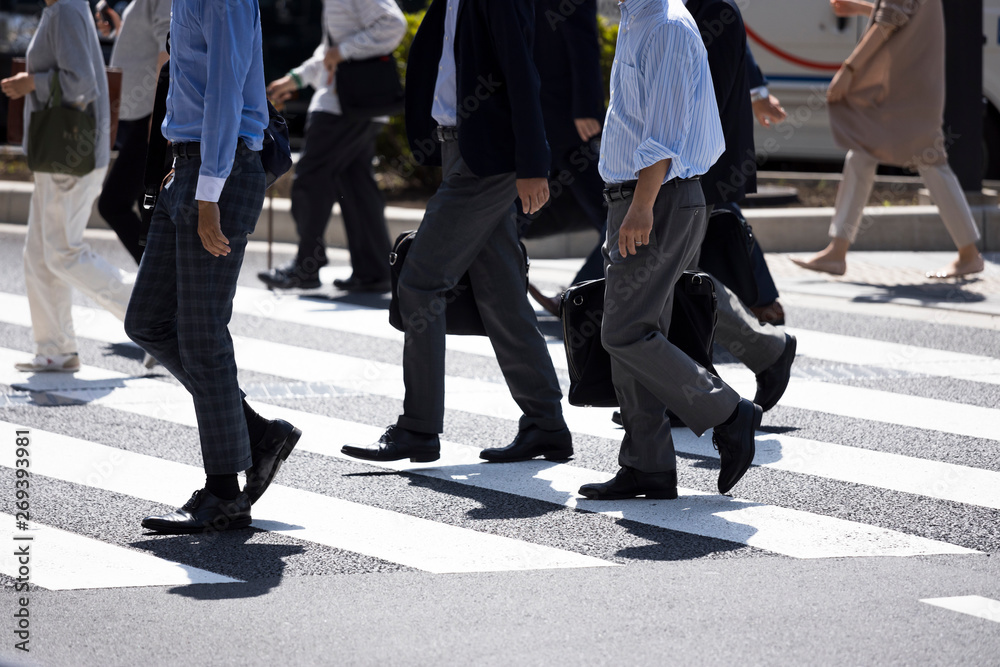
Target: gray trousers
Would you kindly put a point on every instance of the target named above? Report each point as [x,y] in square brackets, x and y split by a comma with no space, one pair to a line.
[650,373]
[469,225]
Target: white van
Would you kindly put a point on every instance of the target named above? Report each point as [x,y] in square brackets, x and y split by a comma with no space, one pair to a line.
[799,44]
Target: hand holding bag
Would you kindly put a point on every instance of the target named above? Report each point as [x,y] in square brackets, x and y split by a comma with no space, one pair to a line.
[692,329]
[61,140]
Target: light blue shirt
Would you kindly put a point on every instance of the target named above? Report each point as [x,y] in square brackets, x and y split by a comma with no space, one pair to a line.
[445,109]
[662,98]
[217,90]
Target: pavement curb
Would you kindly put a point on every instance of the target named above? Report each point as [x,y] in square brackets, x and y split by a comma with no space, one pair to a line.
[895,228]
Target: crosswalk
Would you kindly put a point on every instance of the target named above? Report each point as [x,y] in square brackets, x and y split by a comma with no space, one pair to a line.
[312,513]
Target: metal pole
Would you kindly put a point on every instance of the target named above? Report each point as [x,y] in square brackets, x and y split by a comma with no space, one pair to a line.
[963,109]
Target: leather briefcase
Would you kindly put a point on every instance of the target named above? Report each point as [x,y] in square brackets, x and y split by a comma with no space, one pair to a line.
[460,309]
[692,329]
[727,253]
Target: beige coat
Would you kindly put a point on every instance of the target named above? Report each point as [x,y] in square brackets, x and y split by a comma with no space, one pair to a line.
[894,107]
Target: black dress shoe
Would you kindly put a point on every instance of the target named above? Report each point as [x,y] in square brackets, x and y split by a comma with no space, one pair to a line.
[399,443]
[268,454]
[772,382]
[632,483]
[531,442]
[290,276]
[353,284]
[736,445]
[203,513]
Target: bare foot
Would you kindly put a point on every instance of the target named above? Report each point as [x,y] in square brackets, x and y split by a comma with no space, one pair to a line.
[959,268]
[819,262]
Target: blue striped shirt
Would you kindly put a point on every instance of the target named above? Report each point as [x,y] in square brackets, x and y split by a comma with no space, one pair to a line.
[662,98]
[217,91]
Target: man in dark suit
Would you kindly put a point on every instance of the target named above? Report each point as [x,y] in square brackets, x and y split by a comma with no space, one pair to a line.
[765,350]
[472,107]
[567,56]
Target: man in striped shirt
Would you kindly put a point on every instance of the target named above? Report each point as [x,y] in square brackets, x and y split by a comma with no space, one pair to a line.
[662,131]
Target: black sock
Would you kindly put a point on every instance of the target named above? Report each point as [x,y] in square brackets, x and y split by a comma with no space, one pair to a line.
[256,424]
[732,417]
[226,487]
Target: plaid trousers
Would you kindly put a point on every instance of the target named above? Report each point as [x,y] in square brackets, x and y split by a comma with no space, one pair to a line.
[182,302]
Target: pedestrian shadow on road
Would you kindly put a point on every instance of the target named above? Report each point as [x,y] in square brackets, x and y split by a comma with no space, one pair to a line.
[493,505]
[927,293]
[257,567]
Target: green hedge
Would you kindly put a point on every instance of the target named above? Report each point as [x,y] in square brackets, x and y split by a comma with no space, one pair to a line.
[395,162]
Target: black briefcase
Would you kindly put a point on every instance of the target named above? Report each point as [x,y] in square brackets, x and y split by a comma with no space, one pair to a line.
[459,303]
[727,253]
[692,329]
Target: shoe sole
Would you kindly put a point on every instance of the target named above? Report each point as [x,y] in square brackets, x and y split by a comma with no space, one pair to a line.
[167,529]
[555,457]
[794,345]
[286,448]
[648,496]
[758,416]
[312,284]
[416,458]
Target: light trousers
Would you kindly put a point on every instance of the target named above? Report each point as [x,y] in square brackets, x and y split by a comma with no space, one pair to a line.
[856,186]
[56,258]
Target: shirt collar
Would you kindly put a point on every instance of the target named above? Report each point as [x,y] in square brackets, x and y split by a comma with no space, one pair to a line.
[633,7]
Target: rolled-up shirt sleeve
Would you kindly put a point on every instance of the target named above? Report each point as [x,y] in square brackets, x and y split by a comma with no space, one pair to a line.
[384,27]
[77,77]
[668,96]
[313,72]
[227,73]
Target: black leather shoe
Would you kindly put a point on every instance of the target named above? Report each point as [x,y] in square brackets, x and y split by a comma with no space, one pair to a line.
[290,276]
[399,443]
[632,483]
[772,382]
[203,513]
[268,454]
[353,284]
[532,442]
[736,445]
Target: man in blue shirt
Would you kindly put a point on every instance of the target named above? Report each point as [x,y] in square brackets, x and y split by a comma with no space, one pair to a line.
[662,131]
[183,296]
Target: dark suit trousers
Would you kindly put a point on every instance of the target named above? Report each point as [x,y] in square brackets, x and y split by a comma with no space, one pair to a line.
[123,188]
[182,302]
[649,372]
[336,165]
[470,226]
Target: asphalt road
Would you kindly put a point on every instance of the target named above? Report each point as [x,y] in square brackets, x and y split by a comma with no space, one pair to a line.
[876,489]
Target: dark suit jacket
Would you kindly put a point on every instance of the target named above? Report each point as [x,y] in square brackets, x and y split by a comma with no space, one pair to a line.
[721,26]
[568,58]
[499,115]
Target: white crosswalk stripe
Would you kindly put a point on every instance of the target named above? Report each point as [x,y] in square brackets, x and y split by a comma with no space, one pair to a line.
[493,400]
[436,546]
[407,540]
[789,532]
[59,560]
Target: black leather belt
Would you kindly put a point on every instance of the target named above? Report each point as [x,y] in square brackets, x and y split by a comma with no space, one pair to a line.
[446,133]
[619,191]
[187,149]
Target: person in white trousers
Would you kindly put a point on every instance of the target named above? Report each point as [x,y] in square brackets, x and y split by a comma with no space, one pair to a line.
[56,258]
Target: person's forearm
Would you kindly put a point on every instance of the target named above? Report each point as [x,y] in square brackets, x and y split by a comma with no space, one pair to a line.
[648,187]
